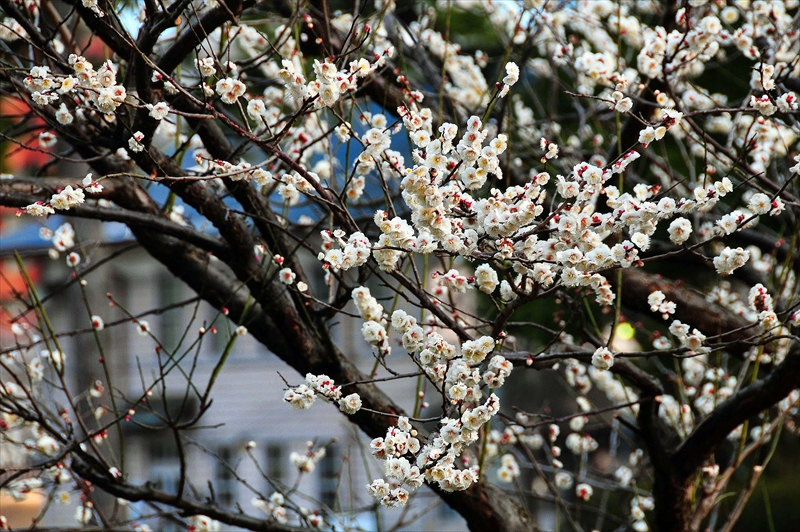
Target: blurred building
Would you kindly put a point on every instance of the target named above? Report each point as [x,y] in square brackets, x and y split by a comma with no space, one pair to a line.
[247,396]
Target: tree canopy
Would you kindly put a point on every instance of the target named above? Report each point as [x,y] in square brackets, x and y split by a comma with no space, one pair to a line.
[603,192]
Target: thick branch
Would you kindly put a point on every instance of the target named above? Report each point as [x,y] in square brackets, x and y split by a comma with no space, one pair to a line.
[33,32]
[487,507]
[745,404]
[709,318]
[264,218]
[192,37]
[88,468]
[107,28]
[9,196]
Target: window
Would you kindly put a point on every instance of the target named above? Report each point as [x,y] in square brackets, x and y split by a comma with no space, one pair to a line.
[329,472]
[118,341]
[165,469]
[171,326]
[225,487]
[275,468]
[165,473]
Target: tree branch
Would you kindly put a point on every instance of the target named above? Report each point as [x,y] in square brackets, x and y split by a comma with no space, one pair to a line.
[90,469]
[11,198]
[745,404]
[709,318]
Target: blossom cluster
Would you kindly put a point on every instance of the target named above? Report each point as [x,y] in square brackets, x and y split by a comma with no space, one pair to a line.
[303,396]
[447,217]
[495,221]
[99,85]
[372,312]
[340,254]
[658,303]
[66,198]
[397,236]
[460,379]
[435,462]
[691,340]
[330,83]
[306,462]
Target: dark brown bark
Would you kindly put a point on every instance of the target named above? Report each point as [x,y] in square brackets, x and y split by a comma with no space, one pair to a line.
[91,470]
[709,318]
[673,488]
[281,320]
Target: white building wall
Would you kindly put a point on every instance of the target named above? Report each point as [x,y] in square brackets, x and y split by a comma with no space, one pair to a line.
[247,397]
[248,406]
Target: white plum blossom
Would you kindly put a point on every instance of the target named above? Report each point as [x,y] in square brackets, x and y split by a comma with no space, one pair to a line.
[486,278]
[368,307]
[142,327]
[286,276]
[563,480]
[763,104]
[48,446]
[201,523]
[85,513]
[340,254]
[658,303]
[11,30]
[788,102]
[509,469]
[69,197]
[90,185]
[158,111]
[39,209]
[512,73]
[603,358]
[135,142]
[583,491]
[375,334]
[453,280]
[511,77]
[230,90]
[206,66]
[759,203]
[47,139]
[350,404]
[474,351]
[680,230]
[622,104]
[692,340]
[63,115]
[301,397]
[730,259]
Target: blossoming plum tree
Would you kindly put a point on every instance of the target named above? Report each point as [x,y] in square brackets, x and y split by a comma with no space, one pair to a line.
[578,163]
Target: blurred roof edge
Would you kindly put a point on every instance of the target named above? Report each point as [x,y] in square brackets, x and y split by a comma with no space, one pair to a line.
[26,237]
